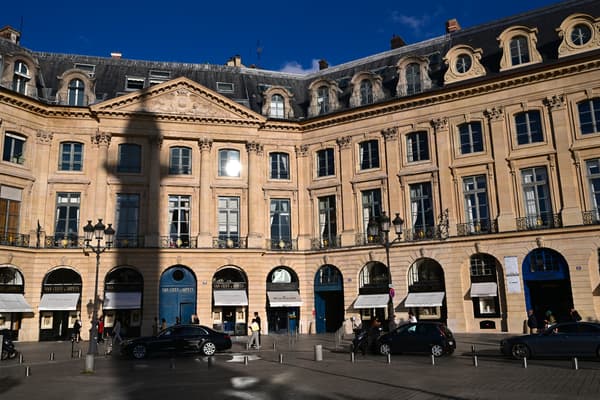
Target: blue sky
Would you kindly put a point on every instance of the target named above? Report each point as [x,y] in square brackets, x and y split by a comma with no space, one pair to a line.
[291,36]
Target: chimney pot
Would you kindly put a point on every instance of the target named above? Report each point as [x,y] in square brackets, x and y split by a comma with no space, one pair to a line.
[323,64]
[452,25]
[396,42]
[116,55]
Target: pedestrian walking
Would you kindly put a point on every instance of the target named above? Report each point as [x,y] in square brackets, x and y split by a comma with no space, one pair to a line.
[550,319]
[100,323]
[163,324]
[77,330]
[532,322]
[257,319]
[254,329]
[155,326]
[117,332]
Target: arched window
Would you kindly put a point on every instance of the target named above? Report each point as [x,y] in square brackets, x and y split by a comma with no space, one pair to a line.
[366,92]
[76,92]
[277,109]
[519,50]
[21,77]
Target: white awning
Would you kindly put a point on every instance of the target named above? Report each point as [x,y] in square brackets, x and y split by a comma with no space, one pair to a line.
[284,299]
[425,299]
[122,301]
[230,297]
[59,302]
[14,302]
[372,301]
[484,289]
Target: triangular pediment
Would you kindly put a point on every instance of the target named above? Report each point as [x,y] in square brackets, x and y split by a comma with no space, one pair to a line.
[179,98]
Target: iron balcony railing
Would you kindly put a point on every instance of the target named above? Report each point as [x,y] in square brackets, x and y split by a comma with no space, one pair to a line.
[230,242]
[64,242]
[423,233]
[282,244]
[326,243]
[128,241]
[178,242]
[539,221]
[479,227]
[591,217]
[14,239]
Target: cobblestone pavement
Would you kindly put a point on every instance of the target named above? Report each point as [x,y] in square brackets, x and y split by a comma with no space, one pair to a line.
[285,368]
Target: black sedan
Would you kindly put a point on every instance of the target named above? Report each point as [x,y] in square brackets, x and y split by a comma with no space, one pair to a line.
[178,339]
[567,339]
[418,337]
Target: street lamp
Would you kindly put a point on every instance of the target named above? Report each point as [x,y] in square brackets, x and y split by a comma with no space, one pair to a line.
[374,229]
[97,232]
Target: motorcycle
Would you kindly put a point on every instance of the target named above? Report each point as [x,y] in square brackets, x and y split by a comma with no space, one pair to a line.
[360,341]
[8,348]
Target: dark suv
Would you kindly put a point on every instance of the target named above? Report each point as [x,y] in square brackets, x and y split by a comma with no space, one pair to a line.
[418,337]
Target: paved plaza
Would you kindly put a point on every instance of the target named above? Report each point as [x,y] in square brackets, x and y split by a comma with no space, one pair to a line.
[285,368]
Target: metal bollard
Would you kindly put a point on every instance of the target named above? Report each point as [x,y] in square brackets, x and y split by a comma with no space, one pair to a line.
[524,362]
[209,361]
[274,346]
[473,349]
[27,371]
[280,358]
[432,359]
[247,346]
[389,358]
[351,356]
[318,352]
[575,363]
[245,360]
[79,353]
[52,356]
[21,358]
[475,362]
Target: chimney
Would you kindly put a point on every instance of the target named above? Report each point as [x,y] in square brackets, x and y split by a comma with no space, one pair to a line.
[11,34]
[116,55]
[452,25]
[323,64]
[235,61]
[396,42]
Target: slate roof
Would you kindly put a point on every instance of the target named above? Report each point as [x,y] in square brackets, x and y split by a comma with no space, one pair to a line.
[249,83]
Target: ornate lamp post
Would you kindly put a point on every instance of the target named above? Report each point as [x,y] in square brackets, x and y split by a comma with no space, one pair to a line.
[98,232]
[375,228]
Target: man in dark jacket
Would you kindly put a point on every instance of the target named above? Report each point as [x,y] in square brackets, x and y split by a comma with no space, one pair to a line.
[532,323]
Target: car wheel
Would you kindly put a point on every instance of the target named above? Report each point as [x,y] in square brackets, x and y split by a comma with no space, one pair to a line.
[209,348]
[384,349]
[520,351]
[437,350]
[139,351]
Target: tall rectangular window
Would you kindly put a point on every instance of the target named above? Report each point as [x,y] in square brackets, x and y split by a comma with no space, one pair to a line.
[277,106]
[529,127]
[71,156]
[229,221]
[413,78]
[519,50]
[369,154]
[280,166]
[281,229]
[325,163]
[14,148]
[471,138]
[179,220]
[10,210]
[181,161]
[323,99]
[371,207]
[589,115]
[130,158]
[536,191]
[476,203]
[67,216]
[128,215]
[593,174]
[327,221]
[417,146]
[229,163]
[421,204]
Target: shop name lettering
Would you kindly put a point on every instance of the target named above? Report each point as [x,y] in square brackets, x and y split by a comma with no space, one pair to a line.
[177,290]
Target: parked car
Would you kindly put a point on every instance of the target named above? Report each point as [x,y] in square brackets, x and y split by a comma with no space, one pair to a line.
[418,337]
[178,339]
[566,339]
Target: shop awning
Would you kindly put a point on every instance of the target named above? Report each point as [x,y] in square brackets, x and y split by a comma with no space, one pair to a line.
[425,299]
[230,298]
[14,302]
[59,302]
[284,299]
[122,301]
[372,301]
[484,289]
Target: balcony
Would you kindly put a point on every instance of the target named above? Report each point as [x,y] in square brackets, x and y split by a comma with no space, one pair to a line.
[325,243]
[128,241]
[282,244]
[591,217]
[177,242]
[423,233]
[14,239]
[230,242]
[364,239]
[480,227]
[540,221]
[64,242]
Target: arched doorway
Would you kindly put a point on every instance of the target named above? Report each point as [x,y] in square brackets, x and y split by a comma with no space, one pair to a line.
[487,292]
[123,288]
[329,299]
[12,302]
[427,290]
[230,301]
[374,293]
[547,284]
[177,299]
[60,304]
[283,300]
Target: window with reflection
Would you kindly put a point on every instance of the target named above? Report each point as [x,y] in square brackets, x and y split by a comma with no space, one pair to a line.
[229,163]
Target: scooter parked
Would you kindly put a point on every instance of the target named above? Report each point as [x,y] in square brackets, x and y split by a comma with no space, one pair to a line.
[8,348]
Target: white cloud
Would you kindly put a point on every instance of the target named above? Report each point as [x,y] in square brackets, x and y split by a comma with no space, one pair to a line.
[417,24]
[294,67]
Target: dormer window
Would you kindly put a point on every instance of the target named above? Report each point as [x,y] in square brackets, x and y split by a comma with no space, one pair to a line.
[413,79]
[276,103]
[76,92]
[134,83]
[366,89]
[366,92]
[277,108]
[463,63]
[413,76]
[323,99]
[518,44]
[21,77]
[579,33]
